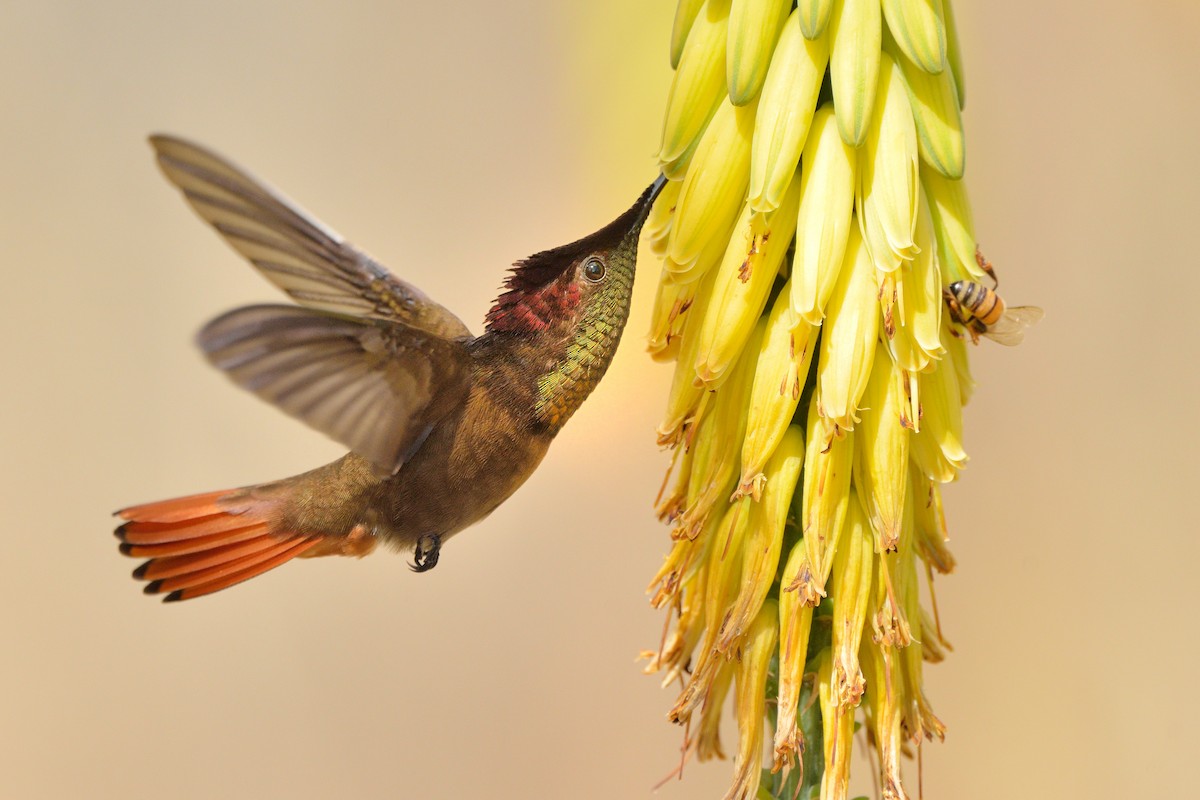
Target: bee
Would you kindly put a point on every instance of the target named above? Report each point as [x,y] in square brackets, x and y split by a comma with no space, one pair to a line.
[981,311]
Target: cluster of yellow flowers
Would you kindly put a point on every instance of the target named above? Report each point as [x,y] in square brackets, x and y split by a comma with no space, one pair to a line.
[814,215]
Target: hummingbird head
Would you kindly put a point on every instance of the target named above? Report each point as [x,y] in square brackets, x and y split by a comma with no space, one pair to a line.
[569,306]
[555,286]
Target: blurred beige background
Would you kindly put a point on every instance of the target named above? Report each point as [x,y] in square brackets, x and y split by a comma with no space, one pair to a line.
[449,139]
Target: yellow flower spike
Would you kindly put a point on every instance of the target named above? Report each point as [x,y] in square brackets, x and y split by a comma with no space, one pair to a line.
[935,110]
[795,624]
[750,674]
[881,452]
[685,16]
[685,397]
[837,723]
[717,473]
[814,17]
[828,181]
[889,174]
[885,715]
[847,346]
[743,281]
[919,31]
[856,35]
[715,186]
[764,538]
[785,112]
[708,737]
[724,575]
[658,224]
[937,447]
[850,590]
[951,215]
[754,27]
[953,54]
[825,500]
[697,87]
[918,332]
[783,359]
[929,523]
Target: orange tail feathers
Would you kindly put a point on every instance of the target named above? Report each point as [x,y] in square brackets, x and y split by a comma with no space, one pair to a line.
[201,544]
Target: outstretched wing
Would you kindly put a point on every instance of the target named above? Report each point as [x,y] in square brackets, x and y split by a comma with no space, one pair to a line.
[376,386]
[310,262]
[1010,328]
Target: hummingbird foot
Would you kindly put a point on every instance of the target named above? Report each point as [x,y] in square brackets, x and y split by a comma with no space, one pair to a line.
[425,556]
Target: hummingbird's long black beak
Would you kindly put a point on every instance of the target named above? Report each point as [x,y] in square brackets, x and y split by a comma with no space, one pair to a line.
[635,217]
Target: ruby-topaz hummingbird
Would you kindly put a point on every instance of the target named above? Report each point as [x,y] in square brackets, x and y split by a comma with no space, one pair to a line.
[442,426]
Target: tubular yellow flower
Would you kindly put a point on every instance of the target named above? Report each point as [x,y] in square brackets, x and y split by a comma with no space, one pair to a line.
[751,676]
[785,111]
[742,284]
[685,16]
[918,29]
[881,451]
[826,496]
[683,401]
[782,361]
[888,185]
[715,185]
[913,328]
[951,214]
[720,589]
[698,86]
[764,539]
[934,101]
[953,54]
[795,624]
[754,27]
[850,591]
[827,184]
[714,472]
[658,223]
[877,223]
[672,303]
[708,738]
[838,723]
[814,16]
[856,34]
[937,446]
[851,331]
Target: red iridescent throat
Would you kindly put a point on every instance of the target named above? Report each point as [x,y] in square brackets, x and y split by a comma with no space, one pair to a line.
[534,310]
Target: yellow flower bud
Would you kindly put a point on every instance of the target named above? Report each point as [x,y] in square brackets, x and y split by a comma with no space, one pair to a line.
[751,676]
[851,333]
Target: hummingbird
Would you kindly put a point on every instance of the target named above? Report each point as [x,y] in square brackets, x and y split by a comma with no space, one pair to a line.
[442,426]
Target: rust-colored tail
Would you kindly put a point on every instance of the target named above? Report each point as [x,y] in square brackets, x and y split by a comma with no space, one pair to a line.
[206,542]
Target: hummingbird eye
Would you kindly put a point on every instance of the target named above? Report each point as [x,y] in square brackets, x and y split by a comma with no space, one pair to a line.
[593,269]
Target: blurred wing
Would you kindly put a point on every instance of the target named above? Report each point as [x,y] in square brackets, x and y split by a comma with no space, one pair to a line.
[1010,328]
[376,386]
[290,247]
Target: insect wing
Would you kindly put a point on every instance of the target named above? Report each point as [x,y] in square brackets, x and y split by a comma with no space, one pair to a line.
[1010,328]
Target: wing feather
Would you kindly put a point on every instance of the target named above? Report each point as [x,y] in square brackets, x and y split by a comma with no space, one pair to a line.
[291,248]
[376,386]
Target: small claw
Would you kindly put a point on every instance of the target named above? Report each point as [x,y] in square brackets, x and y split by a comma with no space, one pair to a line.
[425,556]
